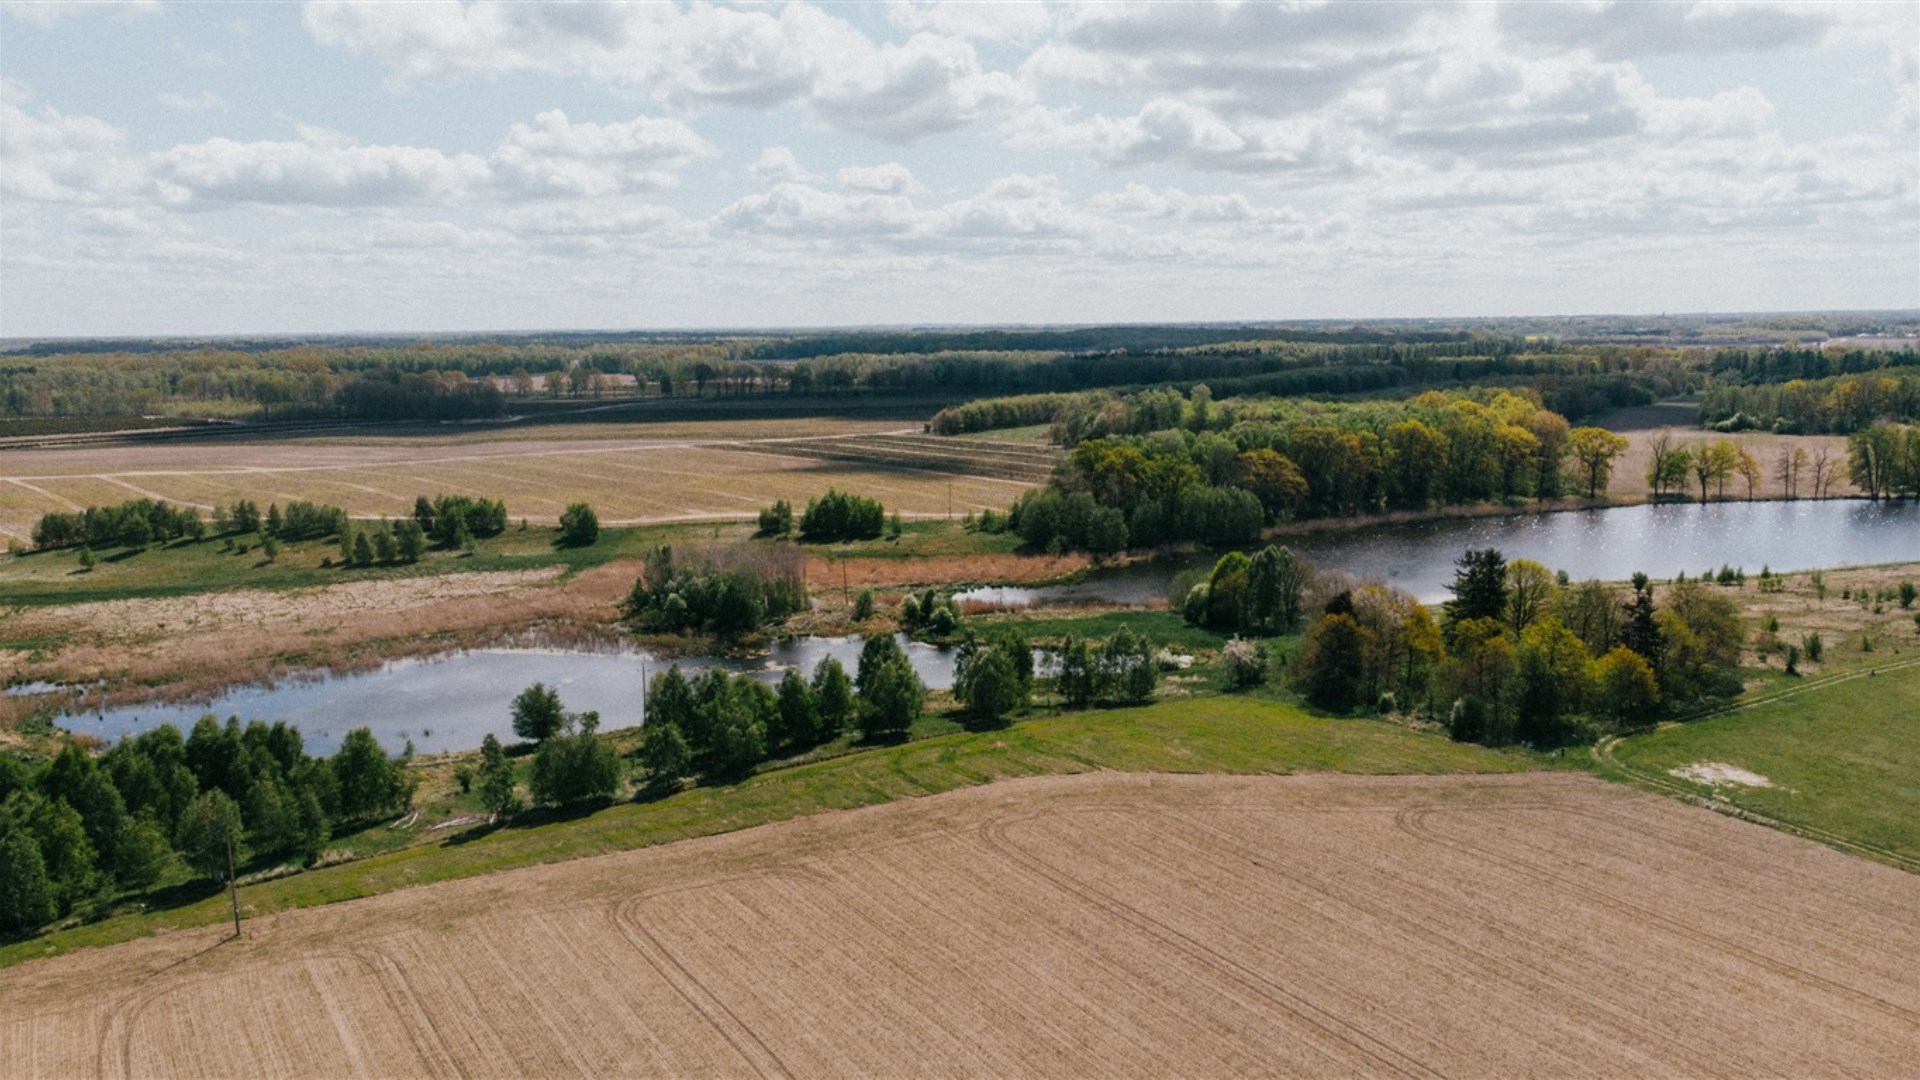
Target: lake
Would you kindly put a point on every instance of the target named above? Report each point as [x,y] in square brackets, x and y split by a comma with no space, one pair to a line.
[1610,544]
[451,702]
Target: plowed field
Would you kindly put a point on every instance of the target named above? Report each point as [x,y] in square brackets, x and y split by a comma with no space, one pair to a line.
[1098,925]
[721,470]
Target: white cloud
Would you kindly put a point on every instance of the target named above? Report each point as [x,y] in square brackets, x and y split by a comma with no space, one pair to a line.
[48,156]
[47,12]
[691,57]
[992,20]
[555,155]
[779,163]
[319,169]
[891,178]
[205,99]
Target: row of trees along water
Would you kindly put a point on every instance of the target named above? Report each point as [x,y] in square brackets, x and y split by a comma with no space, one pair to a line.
[1519,654]
[455,381]
[80,829]
[1159,467]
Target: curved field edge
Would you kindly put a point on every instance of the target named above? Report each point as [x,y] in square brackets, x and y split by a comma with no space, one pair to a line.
[1842,754]
[1232,735]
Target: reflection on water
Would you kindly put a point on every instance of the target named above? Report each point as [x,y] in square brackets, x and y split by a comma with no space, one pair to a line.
[451,702]
[1608,544]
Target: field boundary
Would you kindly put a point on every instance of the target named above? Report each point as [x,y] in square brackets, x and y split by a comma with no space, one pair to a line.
[1609,765]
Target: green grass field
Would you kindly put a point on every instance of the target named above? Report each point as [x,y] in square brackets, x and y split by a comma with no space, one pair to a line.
[1254,734]
[1843,758]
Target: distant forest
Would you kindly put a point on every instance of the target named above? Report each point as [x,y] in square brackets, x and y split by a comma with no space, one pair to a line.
[1580,371]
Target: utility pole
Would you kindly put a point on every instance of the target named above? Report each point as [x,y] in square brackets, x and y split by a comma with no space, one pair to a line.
[233,886]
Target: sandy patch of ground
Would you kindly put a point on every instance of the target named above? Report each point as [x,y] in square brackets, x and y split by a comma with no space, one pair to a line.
[1714,773]
[1099,925]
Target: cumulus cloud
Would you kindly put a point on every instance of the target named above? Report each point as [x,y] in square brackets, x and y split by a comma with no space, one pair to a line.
[891,178]
[693,57]
[556,155]
[779,163]
[50,156]
[318,169]
[1012,20]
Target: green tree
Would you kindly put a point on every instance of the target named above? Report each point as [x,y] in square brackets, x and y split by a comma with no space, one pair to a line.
[833,697]
[1533,593]
[1276,580]
[362,549]
[575,766]
[738,711]
[664,754]
[890,694]
[26,893]
[1127,671]
[409,541]
[986,684]
[537,713]
[370,782]
[1625,690]
[1078,678]
[385,547]
[210,833]
[1332,662]
[1555,677]
[1593,452]
[798,713]
[142,853]
[496,777]
[1479,587]
[579,525]
[87,561]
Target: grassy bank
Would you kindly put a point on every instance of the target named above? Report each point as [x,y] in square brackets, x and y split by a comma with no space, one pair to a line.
[1211,734]
[1842,758]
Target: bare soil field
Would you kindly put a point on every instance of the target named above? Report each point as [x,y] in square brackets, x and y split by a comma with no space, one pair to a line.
[1096,925]
[675,472]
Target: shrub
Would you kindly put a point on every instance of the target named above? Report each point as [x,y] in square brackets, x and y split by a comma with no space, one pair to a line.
[1245,662]
[579,525]
[777,520]
[841,516]
[576,766]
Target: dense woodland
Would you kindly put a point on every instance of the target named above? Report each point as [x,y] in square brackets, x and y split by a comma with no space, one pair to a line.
[425,381]
[81,828]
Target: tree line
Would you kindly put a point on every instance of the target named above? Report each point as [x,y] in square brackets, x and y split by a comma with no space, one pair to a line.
[1157,467]
[1838,405]
[80,829]
[1521,654]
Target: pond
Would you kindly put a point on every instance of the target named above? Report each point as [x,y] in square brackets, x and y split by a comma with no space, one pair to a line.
[451,702]
[1610,544]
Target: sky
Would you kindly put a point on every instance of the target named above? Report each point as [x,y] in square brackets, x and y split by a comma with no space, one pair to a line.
[256,168]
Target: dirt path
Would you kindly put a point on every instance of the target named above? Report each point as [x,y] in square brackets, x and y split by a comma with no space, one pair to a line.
[1064,926]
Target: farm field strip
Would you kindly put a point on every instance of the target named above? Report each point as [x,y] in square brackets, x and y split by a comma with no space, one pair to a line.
[1101,924]
[630,481]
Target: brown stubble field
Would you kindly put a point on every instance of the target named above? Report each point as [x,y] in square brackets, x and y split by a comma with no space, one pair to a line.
[655,472]
[1630,469]
[1103,924]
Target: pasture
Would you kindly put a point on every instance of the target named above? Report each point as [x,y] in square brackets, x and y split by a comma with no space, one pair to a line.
[1839,760]
[1072,926]
[689,471]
